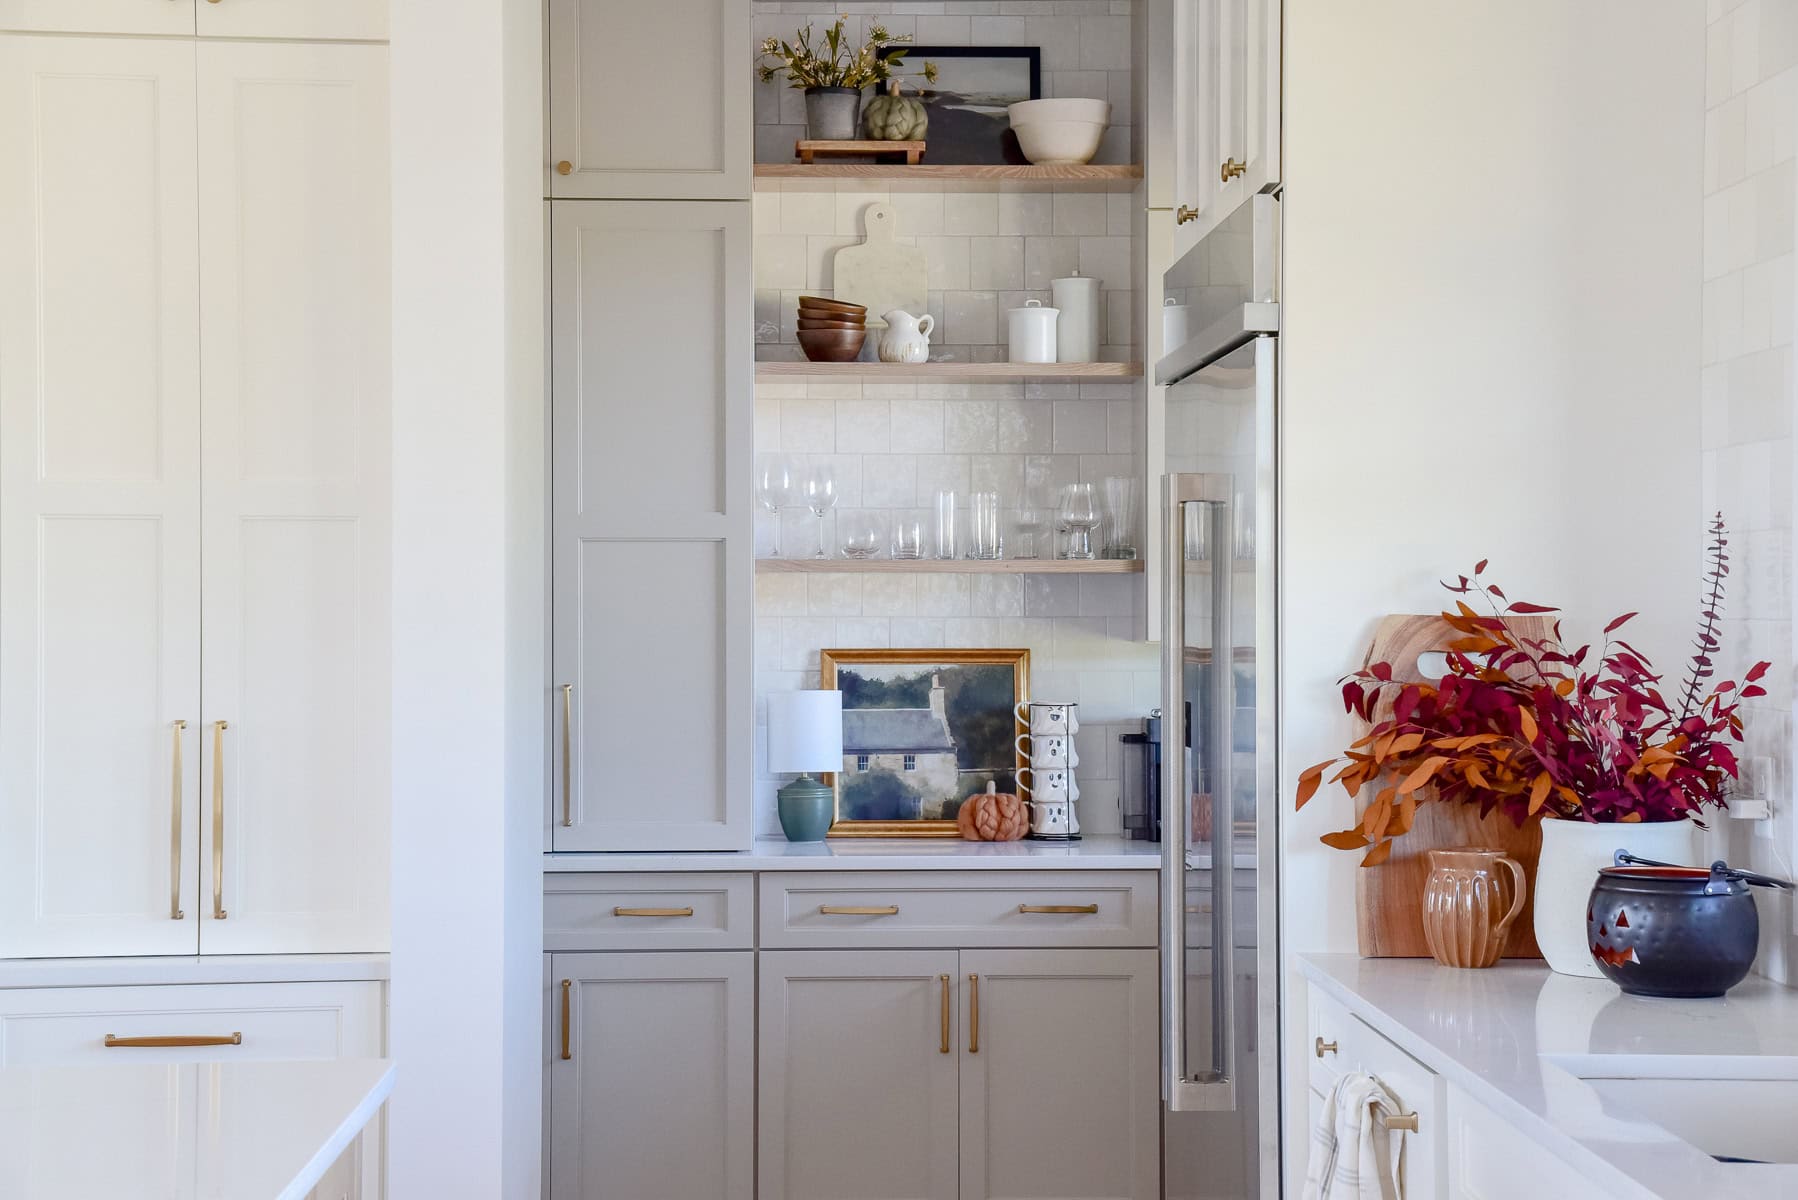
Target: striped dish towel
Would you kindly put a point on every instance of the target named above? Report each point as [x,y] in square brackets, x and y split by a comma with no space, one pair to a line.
[1354,1156]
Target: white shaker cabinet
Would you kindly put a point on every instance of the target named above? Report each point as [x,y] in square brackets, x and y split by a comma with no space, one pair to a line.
[649,99]
[858,1089]
[99,498]
[652,1075]
[653,705]
[193,497]
[1226,128]
[295,452]
[1060,1092]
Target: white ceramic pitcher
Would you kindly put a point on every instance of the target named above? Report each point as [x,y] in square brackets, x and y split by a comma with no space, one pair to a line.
[906,338]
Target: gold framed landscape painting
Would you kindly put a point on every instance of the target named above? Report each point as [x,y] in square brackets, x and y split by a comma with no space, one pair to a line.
[922,731]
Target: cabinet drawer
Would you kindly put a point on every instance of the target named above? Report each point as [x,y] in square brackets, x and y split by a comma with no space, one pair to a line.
[958,909]
[71,1026]
[648,912]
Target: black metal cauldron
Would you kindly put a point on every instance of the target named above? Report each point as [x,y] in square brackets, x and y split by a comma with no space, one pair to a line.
[1661,930]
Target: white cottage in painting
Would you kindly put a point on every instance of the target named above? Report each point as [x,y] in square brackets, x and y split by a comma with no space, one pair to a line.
[913,743]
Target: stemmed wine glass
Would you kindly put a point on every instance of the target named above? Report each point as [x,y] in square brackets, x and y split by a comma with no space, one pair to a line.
[1080,514]
[819,491]
[774,488]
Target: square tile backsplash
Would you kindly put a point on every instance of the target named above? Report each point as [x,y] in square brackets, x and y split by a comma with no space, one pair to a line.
[890,447]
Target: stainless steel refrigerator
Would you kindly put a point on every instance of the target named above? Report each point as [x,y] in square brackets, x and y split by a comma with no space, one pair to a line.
[1219,882]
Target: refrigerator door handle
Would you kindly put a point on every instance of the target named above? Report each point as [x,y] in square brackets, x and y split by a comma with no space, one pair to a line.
[1212,1090]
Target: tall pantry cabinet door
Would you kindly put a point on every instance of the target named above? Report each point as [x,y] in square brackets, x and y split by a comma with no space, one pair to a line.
[99,498]
[653,1073]
[858,1068]
[1060,1083]
[624,124]
[652,589]
[1250,114]
[295,462]
[1201,97]
[174,17]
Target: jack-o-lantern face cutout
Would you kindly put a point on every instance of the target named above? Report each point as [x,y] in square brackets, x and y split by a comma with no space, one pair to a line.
[1604,947]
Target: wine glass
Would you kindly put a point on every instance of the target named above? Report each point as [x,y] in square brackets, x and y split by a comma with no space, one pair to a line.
[819,491]
[1080,514]
[774,488]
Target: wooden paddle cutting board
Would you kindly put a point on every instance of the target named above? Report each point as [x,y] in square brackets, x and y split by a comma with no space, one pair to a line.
[881,272]
[1389,897]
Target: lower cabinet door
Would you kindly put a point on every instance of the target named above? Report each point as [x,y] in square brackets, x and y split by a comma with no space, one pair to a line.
[1060,1095]
[652,1076]
[859,1050]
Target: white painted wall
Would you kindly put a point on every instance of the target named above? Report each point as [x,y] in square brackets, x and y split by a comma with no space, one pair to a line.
[466,1014]
[1490,346]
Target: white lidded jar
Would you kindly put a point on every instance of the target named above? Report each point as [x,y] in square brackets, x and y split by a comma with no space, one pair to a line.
[1032,331]
[1077,329]
[1175,329]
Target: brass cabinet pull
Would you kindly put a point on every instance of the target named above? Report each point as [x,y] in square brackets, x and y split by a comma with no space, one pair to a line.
[175,913]
[973,1014]
[1230,170]
[943,1045]
[567,987]
[859,910]
[1404,1121]
[1183,214]
[567,755]
[217,1039]
[1324,1047]
[218,819]
[562,168]
[1083,909]
[652,912]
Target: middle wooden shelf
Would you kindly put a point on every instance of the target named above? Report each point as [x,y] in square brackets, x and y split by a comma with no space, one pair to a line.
[950,566]
[988,372]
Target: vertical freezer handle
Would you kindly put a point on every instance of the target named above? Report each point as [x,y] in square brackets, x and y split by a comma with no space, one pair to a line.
[1212,1090]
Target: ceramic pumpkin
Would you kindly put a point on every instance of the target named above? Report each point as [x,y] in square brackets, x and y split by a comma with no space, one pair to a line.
[895,118]
[992,816]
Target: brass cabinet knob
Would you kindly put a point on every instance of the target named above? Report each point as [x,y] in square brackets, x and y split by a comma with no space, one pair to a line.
[1184,214]
[1324,1047]
[562,168]
[1230,170]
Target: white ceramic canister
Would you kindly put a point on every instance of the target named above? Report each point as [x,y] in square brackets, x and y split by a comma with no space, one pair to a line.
[1175,327]
[1033,332]
[1077,329]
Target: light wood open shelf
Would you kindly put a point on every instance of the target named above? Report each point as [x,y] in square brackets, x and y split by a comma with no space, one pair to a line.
[1094,178]
[993,372]
[949,566]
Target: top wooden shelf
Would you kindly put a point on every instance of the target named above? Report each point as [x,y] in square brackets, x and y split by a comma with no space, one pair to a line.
[768,176]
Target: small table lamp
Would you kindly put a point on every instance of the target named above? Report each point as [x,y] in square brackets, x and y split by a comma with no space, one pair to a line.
[805,734]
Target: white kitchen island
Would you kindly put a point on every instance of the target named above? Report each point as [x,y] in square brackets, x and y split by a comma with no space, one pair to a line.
[183,1131]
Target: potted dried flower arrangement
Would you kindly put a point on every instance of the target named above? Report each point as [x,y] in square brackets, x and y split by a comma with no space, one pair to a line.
[1587,743]
[833,74]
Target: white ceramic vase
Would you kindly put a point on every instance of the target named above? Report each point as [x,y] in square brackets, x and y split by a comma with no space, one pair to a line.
[1572,853]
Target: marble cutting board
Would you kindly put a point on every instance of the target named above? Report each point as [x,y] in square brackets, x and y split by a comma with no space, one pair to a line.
[881,272]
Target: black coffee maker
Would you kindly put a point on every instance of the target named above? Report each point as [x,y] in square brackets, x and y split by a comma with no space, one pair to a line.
[1140,778]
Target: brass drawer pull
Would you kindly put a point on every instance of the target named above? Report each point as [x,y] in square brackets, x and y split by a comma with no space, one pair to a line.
[652,912]
[567,756]
[1083,909]
[115,1042]
[1404,1121]
[943,1045]
[974,1014]
[567,987]
[1324,1047]
[859,910]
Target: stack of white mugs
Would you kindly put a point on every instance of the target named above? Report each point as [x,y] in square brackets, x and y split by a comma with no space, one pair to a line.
[1048,750]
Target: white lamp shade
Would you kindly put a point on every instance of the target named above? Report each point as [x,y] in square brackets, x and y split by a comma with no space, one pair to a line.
[805,732]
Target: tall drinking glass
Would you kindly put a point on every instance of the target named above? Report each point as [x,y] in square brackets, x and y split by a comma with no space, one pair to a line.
[945,524]
[984,510]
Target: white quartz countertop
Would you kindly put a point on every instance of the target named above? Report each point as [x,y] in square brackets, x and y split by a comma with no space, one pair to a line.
[182,1131]
[1524,1042]
[190,968]
[886,854]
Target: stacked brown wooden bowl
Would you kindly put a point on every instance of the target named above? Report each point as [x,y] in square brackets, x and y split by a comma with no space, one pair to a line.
[831,330]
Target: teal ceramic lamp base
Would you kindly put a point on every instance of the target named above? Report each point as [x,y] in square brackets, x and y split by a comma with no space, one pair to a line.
[806,808]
